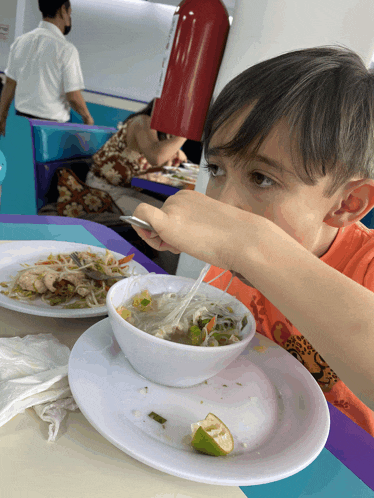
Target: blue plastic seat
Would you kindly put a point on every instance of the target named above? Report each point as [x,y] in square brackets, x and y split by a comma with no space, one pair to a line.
[2,167]
[2,171]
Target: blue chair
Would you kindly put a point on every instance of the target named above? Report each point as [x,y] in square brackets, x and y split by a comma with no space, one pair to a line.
[34,149]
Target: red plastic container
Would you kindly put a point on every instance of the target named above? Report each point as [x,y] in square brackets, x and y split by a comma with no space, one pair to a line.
[195,49]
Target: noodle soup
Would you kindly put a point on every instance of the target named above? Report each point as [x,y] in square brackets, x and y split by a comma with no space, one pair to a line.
[162,360]
[204,323]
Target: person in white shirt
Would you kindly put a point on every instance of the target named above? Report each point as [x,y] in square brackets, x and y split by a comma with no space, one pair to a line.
[44,73]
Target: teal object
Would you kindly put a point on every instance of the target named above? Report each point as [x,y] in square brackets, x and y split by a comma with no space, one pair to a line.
[18,196]
[53,143]
[104,115]
[324,478]
[2,167]
[19,192]
[67,233]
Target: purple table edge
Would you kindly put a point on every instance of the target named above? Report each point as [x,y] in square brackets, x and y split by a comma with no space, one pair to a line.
[158,188]
[109,238]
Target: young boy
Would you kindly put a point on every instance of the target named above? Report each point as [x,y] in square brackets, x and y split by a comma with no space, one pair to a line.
[290,150]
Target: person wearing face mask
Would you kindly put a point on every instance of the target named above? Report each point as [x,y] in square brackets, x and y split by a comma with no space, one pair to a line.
[44,73]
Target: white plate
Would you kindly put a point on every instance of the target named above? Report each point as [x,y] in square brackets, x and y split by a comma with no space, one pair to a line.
[185,178]
[15,253]
[278,415]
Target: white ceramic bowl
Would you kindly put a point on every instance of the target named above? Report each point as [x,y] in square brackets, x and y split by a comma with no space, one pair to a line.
[165,362]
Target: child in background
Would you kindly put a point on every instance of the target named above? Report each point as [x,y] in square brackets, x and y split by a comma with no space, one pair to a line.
[289,144]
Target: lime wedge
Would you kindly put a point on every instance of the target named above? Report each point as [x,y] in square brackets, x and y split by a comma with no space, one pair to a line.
[211,436]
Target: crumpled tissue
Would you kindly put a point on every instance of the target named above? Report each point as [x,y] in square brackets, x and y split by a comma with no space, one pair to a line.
[33,373]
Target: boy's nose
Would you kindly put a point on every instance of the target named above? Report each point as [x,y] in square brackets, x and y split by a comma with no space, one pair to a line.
[230,194]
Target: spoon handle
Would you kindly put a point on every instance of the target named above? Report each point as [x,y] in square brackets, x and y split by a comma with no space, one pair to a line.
[133,220]
[188,297]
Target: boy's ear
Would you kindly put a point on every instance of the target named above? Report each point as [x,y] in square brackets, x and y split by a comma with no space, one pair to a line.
[353,203]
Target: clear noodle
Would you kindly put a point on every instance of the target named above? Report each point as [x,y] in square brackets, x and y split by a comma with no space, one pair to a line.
[147,312]
[192,319]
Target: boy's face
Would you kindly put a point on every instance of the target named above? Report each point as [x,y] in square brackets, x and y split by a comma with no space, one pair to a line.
[267,185]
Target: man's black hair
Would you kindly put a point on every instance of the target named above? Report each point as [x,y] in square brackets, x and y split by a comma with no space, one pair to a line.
[49,8]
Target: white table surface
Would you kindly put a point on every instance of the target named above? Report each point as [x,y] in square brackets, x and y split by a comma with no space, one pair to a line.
[81,463]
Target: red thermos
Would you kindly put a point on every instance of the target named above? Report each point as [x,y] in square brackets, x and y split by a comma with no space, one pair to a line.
[191,63]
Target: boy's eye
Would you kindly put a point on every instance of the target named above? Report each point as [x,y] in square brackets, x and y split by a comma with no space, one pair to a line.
[214,170]
[261,180]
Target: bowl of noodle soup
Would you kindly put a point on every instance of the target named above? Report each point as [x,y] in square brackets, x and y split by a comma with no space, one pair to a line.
[159,357]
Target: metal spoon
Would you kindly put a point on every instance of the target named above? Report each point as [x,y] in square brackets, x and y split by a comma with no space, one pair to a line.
[133,220]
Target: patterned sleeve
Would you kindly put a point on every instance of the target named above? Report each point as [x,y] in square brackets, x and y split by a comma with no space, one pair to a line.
[71,70]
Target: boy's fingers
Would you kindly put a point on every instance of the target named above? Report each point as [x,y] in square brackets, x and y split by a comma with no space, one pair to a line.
[150,214]
[155,241]
[166,247]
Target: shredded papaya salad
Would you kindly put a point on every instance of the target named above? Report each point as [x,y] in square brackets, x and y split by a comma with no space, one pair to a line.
[57,280]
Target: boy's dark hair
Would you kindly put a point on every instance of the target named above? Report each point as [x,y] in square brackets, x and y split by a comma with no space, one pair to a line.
[49,8]
[327,96]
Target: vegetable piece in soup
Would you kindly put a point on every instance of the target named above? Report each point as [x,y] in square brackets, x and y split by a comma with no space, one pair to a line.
[204,323]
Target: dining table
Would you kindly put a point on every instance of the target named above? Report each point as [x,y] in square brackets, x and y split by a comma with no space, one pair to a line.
[147,182]
[161,182]
[83,463]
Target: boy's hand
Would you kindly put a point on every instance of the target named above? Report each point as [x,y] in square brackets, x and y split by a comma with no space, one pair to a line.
[193,223]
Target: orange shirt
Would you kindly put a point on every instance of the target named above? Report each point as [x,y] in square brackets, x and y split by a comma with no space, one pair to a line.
[351,253]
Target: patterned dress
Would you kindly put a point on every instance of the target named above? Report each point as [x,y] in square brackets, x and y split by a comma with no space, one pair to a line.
[116,163]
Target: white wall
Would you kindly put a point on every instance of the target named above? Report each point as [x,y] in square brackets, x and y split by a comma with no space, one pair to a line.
[8,10]
[266,28]
[229,4]
[261,30]
[120,43]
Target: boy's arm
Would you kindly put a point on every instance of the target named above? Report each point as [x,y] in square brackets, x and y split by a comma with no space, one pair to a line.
[334,313]
[7,95]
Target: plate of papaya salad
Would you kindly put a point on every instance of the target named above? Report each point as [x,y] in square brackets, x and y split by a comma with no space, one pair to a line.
[40,278]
